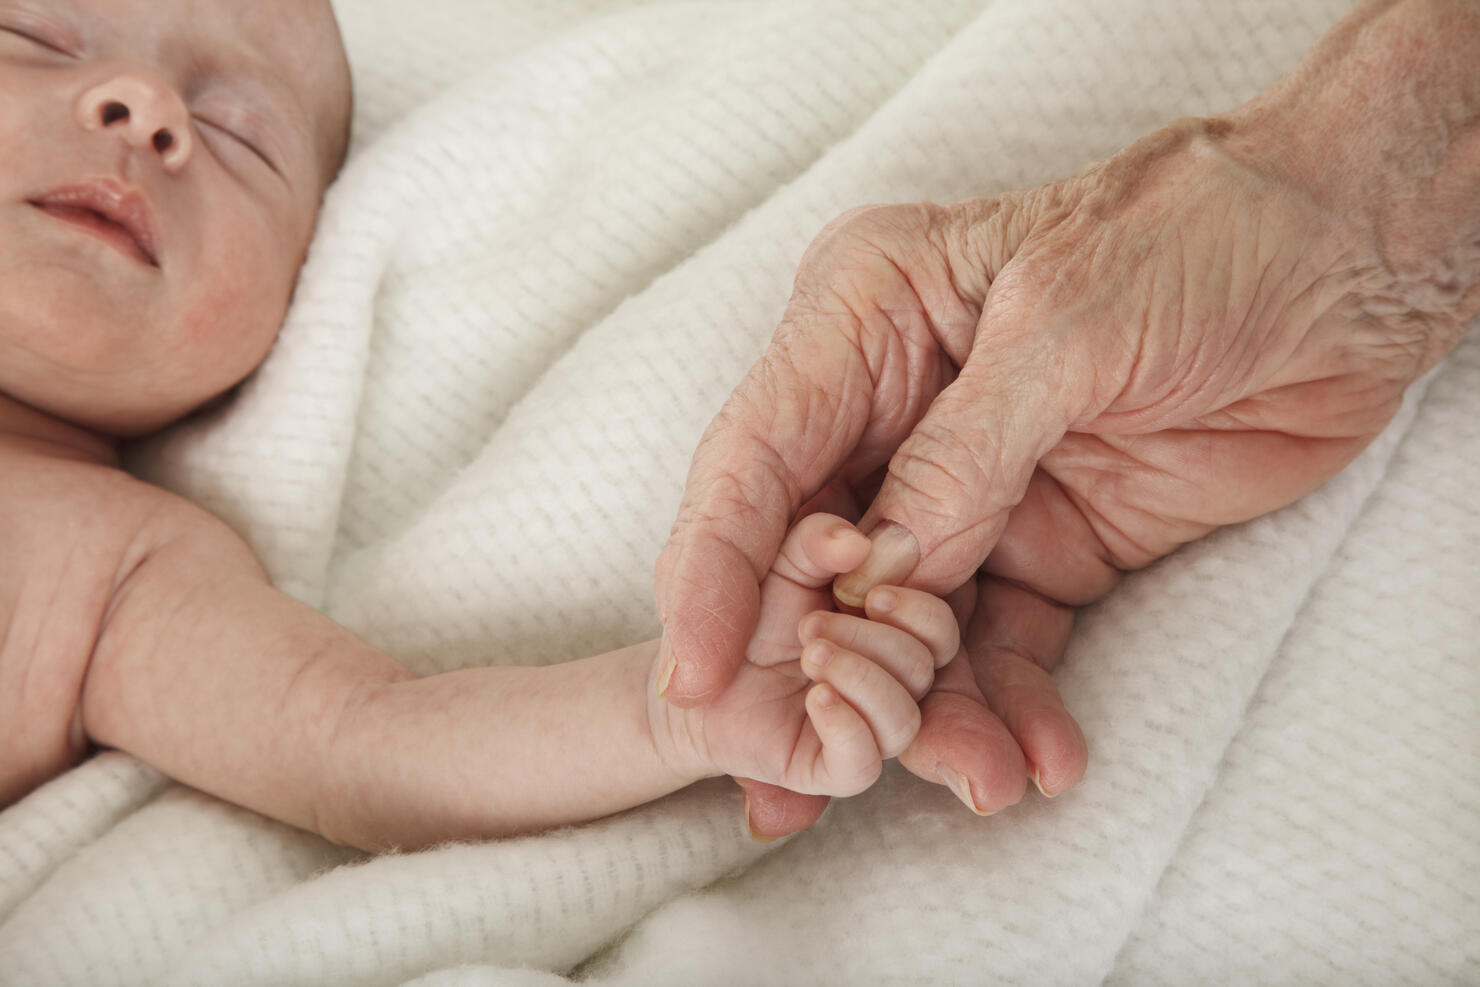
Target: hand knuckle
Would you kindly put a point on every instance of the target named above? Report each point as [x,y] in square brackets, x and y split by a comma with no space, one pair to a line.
[938,467]
[902,734]
[863,778]
[857,674]
[920,675]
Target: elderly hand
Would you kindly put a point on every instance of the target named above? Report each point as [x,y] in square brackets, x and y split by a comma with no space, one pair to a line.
[1070,382]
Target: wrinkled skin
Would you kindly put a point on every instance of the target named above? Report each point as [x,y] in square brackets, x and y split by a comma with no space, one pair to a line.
[1064,384]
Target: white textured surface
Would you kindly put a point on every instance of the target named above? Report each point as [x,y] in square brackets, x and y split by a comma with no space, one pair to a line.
[566,230]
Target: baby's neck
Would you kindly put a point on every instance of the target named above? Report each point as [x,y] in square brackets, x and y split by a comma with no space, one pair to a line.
[23,424]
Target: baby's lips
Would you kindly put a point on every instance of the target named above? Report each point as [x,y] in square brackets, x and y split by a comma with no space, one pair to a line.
[894,556]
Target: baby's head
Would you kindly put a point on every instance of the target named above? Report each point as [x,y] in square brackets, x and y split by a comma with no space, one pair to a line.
[161,167]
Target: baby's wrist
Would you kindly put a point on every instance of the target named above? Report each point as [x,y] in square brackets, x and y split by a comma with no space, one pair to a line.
[677,736]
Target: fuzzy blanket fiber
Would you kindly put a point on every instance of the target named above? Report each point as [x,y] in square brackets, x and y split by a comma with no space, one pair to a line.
[565,231]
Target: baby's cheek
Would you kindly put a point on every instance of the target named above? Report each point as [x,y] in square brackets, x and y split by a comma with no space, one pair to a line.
[229,325]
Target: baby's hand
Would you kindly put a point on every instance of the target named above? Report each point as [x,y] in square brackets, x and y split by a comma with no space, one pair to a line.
[872,670]
[825,696]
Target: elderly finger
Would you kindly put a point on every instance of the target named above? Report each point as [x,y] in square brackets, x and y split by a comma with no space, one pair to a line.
[1015,638]
[776,442]
[964,745]
[772,812]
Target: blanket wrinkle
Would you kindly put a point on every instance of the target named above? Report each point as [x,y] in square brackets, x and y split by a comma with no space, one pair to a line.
[74,810]
[1373,466]
[1362,853]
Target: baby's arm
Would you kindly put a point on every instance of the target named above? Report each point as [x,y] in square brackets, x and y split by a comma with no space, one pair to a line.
[205,671]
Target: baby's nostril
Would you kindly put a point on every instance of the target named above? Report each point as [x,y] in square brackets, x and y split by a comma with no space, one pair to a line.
[113,112]
[163,140]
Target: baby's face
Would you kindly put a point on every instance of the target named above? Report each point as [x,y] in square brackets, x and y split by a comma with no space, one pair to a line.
[161,166]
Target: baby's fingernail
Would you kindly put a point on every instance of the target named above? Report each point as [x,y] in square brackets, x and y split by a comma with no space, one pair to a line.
[1036,775]
[957,783]
[883,600]
[809,628]
[895,554]
[670,662]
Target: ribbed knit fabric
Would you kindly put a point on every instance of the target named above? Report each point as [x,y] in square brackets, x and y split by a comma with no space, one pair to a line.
[565,231]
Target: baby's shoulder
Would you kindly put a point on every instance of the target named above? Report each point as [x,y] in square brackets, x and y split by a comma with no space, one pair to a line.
[71,527]
[50,499]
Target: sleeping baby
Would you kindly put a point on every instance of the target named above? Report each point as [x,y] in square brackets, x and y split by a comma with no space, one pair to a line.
[161,167]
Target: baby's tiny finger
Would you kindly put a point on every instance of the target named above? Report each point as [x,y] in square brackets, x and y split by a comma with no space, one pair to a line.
[850,759]
[925,616]
[817,548]
[892,714]
[898,652]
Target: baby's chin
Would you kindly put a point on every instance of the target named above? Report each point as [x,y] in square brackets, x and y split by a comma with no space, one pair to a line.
[127,417]
[122,422]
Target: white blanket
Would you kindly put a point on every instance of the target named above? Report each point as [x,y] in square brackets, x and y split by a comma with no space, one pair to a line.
[566,230]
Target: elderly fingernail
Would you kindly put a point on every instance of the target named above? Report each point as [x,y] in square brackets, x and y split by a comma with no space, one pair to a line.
[957,783]
[670,662]
[894,556]
[750,828]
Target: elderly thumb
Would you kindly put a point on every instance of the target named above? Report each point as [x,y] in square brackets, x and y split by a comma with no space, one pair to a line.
[955,479]
[772,812]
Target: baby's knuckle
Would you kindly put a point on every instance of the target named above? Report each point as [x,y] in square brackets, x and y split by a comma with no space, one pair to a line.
[851,674]
[920,673]
[863,777]
[900,735]
[951,644]
[845,631]
[943,650]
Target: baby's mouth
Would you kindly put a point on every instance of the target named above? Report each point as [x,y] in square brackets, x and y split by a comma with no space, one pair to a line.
[104,208]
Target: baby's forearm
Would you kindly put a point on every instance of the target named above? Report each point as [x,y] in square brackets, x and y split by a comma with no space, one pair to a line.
[212,676]
[495,751]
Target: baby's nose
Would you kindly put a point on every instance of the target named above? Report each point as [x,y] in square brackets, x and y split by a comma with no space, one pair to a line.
[145,112]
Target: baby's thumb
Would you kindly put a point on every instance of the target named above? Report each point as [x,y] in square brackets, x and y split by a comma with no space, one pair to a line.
[955,478]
